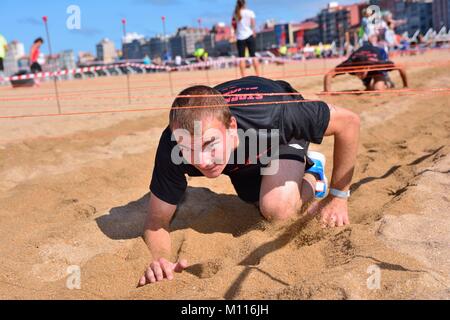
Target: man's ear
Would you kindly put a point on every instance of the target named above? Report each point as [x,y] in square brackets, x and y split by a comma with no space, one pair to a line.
[232,128]
[233,123]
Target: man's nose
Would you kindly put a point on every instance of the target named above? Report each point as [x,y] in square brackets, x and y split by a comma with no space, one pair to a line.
[204,160]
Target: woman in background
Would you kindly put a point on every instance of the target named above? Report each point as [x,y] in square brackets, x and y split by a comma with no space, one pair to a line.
[35,52]
[244,26]
[34,55]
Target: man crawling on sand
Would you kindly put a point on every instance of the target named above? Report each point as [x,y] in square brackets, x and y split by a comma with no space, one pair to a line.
[369,63]
[257,132]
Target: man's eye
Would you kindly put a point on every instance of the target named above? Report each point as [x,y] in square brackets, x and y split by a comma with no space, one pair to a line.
[211,146]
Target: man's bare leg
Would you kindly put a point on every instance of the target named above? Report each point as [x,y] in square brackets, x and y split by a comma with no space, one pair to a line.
[283,194]
[242,67]
[379,86]
[327,82]
[257,66]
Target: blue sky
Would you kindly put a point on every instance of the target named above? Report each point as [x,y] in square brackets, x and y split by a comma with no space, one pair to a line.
[21,20]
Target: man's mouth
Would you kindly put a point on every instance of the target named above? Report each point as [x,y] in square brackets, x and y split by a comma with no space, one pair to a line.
[211,167]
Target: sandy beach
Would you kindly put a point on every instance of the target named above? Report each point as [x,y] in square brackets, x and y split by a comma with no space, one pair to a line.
[74,191]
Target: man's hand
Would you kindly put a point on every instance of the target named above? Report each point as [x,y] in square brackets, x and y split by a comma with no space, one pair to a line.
[333,212]
[160,270]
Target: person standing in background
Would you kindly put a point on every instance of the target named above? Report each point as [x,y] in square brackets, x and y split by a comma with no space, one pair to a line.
[244,24]
[391,38]
[3,49]
[34,55]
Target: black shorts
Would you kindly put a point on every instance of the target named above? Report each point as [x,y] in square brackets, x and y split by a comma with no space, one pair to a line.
[376,76]
[35,68]
[249,43]
[247,182]
[2,67]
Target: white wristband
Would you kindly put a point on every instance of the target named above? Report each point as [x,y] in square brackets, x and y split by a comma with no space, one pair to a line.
[340,194]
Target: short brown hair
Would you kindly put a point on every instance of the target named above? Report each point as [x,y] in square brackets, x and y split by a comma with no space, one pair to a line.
[183,118]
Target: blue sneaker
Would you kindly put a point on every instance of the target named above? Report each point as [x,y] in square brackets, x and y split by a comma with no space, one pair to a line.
[318,170]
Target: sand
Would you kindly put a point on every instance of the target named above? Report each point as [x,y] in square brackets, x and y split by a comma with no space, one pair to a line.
[74,191]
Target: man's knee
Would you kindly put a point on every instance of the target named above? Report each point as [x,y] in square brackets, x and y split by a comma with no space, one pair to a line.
[280,207]
[379,86]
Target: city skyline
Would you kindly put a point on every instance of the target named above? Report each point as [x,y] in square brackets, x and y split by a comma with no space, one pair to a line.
[100,21]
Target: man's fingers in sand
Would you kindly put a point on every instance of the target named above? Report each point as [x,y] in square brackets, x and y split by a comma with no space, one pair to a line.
[339,221]
[346,220]
[331,221]
[167,268]
[326,218]
[142,281]
[180,266]
[149,277]
[156,267]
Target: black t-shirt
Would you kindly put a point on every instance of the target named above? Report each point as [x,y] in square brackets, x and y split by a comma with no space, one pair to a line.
[368,54]
[302,121]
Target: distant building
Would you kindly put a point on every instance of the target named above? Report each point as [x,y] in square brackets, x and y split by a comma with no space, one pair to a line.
[284,34]
[336,21]
[14,58]
[297,34]
[187,40]
[441,14]
[85,58]
[418,15]
[387,5]
[134,50]
[132,46]
[311,36]
[177,46]
[216,42]
[307,33]
[61,61]
[158,46]
[221,32]
[106,51]
[266,39]
[208,43]
[146,49]
[67,60]
[223,48]
[17,49]
[51,63]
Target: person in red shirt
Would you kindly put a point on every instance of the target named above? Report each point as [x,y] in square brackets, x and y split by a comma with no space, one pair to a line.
[34,55]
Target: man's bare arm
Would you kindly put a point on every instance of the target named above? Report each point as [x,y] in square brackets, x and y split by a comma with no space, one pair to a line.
[157,238]
[404,77]
[157,224]
[344,126]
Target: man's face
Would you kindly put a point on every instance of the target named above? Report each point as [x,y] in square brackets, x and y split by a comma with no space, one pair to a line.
[210,148]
